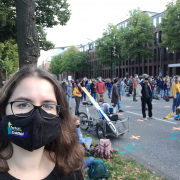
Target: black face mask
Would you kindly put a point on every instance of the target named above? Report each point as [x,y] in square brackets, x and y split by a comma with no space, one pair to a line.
[30,133]
[146,79]
[77,126]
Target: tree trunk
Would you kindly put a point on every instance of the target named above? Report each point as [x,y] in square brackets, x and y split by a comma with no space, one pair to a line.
[27,35]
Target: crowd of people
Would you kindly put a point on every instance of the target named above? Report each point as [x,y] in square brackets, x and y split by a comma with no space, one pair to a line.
[151,87]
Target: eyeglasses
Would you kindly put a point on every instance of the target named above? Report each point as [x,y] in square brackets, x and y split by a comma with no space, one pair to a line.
[25,109]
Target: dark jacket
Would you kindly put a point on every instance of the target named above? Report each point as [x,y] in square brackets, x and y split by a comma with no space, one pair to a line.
[165,86]
[92,88]
[115,94]
[64,86]
[162,85]
[143,91]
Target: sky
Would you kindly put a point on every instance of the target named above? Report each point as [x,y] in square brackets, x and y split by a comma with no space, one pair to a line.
[89,18]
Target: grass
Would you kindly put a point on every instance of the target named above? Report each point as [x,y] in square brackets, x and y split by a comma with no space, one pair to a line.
[124,169]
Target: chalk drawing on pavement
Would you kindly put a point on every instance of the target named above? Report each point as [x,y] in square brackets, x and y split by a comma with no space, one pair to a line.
[128,148]
[174,136]
[174,128]
[135,137]
[140,120]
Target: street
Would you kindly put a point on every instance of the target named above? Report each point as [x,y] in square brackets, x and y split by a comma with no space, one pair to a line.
[154,143]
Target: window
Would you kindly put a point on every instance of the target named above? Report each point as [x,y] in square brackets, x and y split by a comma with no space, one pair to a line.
[160,19]
[154,22]
[154,55]
[125,25]
[160,35]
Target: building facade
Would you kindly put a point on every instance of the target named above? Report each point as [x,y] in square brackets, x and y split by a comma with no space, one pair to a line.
[127,68]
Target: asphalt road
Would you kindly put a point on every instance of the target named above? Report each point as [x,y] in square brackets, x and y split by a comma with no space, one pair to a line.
[154,143]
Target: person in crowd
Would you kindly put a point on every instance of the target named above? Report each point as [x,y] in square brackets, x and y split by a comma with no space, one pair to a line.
[83,84]
[100,89]
[158,84]
[168,84]
[109,87]
[88,82]
[93,89]
[140,79]
[152,88]
[44,144]
[122,85]
[125,80]
[69,93]
[86,142]
[175,93]
[135,84]
[146,97]
[130,84]
[116,95]
[162,87]
[77,93]
[165,88]
[64,85]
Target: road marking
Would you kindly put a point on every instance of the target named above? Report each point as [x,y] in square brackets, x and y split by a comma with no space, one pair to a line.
[135,137]
[174,128]
[153,117]
[140,120]
[127,106]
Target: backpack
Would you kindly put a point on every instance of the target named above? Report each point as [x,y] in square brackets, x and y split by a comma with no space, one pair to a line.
[178,110]
[98,170]
[155,97]
[110,85]
[167,98]
[103,149]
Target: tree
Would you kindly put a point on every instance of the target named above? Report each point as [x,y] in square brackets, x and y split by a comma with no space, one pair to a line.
[96,72]
[170,26]
[56,65]
[46,14]
[9,61]
[108,48]
[136,36]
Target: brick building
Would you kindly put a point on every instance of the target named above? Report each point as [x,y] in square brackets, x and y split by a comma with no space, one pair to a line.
[128,68]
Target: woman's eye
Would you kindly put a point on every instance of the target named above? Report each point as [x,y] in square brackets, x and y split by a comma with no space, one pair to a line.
[47,106]
[24,105]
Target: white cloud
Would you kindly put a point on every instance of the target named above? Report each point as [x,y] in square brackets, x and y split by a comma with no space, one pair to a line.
[90,17]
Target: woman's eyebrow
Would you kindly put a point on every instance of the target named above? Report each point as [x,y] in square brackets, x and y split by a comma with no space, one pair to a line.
[29,100]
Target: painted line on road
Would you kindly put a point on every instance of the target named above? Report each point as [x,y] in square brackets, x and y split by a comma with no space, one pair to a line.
[153,117]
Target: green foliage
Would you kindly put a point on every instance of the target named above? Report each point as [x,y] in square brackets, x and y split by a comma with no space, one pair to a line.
[170,26]
[108,47]
[9,57]
[48,13]
[96,72]
[56,65]
[137,35]
[70,61]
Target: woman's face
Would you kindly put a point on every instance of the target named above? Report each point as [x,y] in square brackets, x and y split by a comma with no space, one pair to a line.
[34,90]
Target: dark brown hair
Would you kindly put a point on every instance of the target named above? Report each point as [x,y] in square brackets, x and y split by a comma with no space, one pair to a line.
[176,79]
[68,153]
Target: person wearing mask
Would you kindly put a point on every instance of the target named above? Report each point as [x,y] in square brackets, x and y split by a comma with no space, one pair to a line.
[109,87]
[93,90]
[168,84]
[35,123]
[64,85]
[165,88]
[146,97]
[158,83]
[130,84]
[122,85]
[77,93]
[162,87]
[152,88]
[135,84]
[83,84]
[175,93]
[100,89]
[69,93]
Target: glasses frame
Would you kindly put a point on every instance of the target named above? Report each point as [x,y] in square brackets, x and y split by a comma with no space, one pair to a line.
[35,107]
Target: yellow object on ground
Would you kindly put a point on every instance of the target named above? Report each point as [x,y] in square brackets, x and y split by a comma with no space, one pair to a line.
[169,115]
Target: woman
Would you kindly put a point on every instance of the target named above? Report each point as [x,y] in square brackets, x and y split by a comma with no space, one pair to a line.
[109,87]
[69,93]
[152,88]
[115,94]
[38,138]
[77,93]
[122,85]
[176,94]
[93,90]
[83,84]
[165,88]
